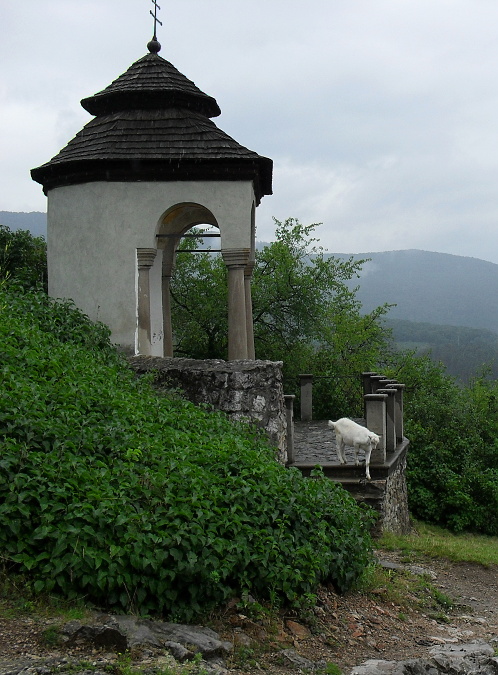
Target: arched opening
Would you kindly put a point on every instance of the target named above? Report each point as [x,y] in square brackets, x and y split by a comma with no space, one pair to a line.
[175,224]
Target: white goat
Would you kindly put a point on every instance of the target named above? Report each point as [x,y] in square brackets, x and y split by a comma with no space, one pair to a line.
[349,433]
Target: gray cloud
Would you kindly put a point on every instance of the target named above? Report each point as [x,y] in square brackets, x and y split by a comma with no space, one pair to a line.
[380,116]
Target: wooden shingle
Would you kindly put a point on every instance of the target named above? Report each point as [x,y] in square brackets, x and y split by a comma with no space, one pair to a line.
[152,123]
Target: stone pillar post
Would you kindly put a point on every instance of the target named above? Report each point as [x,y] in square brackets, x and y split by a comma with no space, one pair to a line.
[167,273]
[306,398]
[390,419]
[251,354]
[375,405]
[289,416]
[236,261]
[366,379]
[167,326]
[398,410]
[377,382]
[145,258]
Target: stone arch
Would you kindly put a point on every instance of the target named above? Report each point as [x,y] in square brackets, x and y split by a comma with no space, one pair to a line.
[175,223]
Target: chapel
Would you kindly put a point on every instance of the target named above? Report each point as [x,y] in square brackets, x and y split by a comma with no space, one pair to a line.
[148,167]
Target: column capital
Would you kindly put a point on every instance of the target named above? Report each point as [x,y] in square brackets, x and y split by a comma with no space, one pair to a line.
[236,257]
[146,256]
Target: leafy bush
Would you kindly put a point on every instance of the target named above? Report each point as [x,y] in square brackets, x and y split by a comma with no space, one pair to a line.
[452,470]
[135,500]
[23,257]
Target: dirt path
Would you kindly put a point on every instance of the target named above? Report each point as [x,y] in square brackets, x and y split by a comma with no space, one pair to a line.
[353,628]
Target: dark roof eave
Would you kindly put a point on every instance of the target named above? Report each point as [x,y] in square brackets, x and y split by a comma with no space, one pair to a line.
[59,174]
[145,99]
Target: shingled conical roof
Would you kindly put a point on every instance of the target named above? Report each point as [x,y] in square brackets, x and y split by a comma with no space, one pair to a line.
[152,123]
[151,82]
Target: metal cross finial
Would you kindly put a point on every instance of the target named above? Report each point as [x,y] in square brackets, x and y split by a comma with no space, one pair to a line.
[154,14]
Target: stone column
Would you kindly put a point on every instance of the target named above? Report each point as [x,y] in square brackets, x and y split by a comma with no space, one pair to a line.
[366,379]
[398,410]
[145,258]
[167,327]
[377,382]
[390,418]
[375,405]
[289,415]
[306,398]
[167,273]
[236,261]
[251,354]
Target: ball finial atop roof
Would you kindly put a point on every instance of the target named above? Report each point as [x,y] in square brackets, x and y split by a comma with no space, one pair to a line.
[154,46]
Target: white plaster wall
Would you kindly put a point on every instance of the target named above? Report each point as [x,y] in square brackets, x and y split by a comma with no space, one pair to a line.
[94,230]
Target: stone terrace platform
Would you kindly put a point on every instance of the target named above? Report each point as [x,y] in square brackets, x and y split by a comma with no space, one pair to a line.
[315,444]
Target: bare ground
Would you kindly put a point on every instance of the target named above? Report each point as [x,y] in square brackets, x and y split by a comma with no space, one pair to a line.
[345,630]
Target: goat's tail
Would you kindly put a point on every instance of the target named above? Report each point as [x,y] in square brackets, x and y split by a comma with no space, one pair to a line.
[331,424]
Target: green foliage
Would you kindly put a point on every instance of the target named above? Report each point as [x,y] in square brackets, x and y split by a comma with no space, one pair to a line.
[199,302]
[132,500]
[453,460]
[23,258]
[304,315]
[330,668]
[51,637]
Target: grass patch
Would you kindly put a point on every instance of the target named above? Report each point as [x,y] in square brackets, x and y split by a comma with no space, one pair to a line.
[18,598]
[435,542]
[406,591]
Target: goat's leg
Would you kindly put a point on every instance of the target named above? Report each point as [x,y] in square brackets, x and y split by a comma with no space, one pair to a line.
[368,452]
[356,460]
[340,449]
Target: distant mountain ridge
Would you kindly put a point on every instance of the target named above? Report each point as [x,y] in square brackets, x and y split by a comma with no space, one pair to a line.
[427,287]
[34,221]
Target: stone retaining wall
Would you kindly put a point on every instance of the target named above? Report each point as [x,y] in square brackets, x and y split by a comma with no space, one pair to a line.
[243,389]
[395,516]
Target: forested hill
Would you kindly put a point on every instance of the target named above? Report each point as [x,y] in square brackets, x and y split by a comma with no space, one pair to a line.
[466,352]
[428,287]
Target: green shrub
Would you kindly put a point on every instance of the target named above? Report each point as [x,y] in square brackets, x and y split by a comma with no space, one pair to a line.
[23,258]
[137,501]
[452,471]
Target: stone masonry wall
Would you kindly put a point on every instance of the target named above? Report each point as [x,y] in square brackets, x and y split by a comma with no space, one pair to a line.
[395,516]
[242,389]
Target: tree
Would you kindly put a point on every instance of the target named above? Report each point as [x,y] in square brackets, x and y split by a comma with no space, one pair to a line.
[199,300]
[23,257]
[304,314]
[452,470]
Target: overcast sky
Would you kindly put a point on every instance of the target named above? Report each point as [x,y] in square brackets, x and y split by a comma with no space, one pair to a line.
[381,116]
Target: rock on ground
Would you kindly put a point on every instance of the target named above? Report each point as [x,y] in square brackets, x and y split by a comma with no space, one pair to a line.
[475,658]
